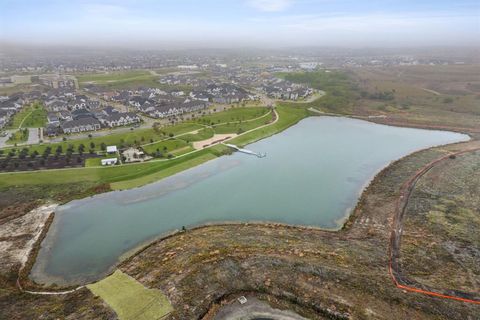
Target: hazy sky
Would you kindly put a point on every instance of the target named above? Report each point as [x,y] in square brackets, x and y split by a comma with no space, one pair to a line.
[225,23]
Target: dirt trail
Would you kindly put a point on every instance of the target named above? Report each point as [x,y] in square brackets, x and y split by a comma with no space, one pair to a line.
[395,241]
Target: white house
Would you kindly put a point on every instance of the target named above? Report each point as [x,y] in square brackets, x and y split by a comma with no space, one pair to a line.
[109,162]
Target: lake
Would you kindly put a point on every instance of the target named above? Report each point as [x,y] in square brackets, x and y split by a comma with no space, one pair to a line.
[313,175]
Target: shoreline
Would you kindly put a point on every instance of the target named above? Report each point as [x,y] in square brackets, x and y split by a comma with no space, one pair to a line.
[345,225]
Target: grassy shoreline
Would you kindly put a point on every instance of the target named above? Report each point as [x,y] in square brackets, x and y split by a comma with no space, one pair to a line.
[143,173]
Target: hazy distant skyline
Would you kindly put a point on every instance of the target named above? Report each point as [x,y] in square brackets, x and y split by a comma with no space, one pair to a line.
[229,23]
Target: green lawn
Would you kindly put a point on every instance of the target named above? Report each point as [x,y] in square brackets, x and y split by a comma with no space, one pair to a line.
[202,134]
[18,136]
[93,162]
[130,299]
[134,175]
[288,116]
[164,146]
[32,116]
[232,115]
[137,136]
[150,178]
[36,119]
[98,175]
[239,127]
[125,80]
[112,77]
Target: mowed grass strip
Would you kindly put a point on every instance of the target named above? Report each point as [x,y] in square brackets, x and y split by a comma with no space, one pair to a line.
[150,178]
[130,299]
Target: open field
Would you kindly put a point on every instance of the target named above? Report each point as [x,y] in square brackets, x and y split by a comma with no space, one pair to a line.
[125,80]
[445,203]
[164,146]
[130,299]
[233,115]
[436,96]
[33,116]
[36,119]
[118,79]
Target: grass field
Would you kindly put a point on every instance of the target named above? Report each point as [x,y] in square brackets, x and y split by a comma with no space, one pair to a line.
[18,136]
[36,119]
[125,80]
[130,299]
[425,95]
[117,79]
[33,116]
[164,146]
[234,115]
[445,203]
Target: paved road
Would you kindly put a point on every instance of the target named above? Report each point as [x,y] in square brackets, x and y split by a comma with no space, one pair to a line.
[33,137]
[254,309]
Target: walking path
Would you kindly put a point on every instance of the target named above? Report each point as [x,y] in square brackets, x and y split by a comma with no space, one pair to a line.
[400,280]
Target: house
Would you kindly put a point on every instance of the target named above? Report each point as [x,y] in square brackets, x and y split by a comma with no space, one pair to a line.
[109,162]
[81,113]
[53,119]
[117,119]
[199,95]
[81,125]
[108,110]
[164,111]
[56,105]
[4,117]
[52,130]
[65,115]
[112,149]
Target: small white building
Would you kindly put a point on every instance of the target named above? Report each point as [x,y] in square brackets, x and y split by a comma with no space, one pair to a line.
[112,149]
[109,162]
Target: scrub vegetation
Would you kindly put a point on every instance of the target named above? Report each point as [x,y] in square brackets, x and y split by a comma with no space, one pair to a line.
[445,203]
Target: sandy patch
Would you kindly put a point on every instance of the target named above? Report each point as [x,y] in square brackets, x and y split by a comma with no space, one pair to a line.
[216,139]
[18,236]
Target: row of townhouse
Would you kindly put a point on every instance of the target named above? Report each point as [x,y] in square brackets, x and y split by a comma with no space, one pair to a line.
[8,107]
[83,120]
[286,91]
[165,110]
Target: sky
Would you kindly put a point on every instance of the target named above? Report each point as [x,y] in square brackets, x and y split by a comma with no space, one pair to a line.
[163,24]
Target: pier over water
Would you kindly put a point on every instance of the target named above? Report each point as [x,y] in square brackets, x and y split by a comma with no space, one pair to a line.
[259,155]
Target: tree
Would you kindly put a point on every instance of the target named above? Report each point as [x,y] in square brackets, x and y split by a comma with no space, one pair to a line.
[59,150]
[92,145]
[103,146]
